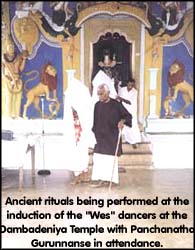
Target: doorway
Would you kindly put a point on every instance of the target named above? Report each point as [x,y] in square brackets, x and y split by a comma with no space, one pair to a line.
[119,49]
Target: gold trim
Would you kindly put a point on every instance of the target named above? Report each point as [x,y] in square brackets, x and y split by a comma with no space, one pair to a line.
[112,8]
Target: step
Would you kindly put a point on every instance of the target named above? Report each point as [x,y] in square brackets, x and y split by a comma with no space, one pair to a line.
[131,159]
[138,166]
[144,147]
[133,166]
[139,159]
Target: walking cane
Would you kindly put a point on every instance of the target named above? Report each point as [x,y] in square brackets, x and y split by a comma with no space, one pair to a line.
[115,157]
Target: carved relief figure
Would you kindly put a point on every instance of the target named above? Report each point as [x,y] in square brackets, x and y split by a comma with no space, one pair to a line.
[178,84]
[155,22]
[60,26]
[26,32]
[171,21]
[172,18]
[61,12]
[13,65]
[47,84]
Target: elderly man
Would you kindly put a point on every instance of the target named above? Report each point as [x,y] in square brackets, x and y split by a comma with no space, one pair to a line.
[109,117]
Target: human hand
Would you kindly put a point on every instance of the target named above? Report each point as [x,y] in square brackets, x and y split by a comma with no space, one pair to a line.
[127,102]
[118,98]
[121,124]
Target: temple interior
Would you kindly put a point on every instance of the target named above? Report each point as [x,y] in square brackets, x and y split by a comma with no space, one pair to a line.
[54,55]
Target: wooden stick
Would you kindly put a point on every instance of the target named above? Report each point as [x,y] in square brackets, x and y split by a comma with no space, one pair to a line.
[115,157]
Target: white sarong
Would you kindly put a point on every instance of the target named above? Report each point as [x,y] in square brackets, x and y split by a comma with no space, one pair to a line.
[103,168]
[131,135]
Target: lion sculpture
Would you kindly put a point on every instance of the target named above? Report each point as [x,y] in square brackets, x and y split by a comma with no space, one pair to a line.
[47,84]
[177,83]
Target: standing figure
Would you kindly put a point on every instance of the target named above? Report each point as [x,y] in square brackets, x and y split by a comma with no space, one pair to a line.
[109,117]
[81,152]
[131,135]
[108,74]
[109,66]
[13,65]
[78,135]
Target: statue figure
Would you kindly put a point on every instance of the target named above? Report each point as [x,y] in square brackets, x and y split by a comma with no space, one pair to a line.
[26,33]
[177,84]
[13,65]
[46,85]
[109,66]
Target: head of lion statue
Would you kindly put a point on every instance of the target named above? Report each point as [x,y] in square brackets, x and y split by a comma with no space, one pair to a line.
[176,73]
[49,76]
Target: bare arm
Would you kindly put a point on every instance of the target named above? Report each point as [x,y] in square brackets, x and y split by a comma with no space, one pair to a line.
[118,98]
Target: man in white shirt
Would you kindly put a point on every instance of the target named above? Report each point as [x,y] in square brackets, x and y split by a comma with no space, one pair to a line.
[129,93]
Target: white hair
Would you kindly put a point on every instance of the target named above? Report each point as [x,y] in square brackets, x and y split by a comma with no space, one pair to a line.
[105,87]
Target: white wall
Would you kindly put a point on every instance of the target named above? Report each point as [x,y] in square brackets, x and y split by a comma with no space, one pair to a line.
[172,150]
[169,150]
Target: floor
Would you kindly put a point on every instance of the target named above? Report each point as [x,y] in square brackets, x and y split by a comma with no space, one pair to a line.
[154,184]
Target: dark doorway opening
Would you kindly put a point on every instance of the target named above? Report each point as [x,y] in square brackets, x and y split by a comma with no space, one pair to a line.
[120,50]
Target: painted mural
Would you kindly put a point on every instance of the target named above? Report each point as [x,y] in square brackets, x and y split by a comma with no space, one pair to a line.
[37,29]
[177,80]
[41,40]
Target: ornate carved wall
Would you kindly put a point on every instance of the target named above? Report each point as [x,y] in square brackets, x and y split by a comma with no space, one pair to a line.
[155,43]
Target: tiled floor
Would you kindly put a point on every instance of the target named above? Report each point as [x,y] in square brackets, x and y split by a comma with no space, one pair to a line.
[153,184]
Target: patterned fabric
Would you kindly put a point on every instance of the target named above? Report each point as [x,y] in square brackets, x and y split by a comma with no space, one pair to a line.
[77,127]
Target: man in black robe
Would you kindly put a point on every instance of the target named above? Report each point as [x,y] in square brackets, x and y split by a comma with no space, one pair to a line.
[109,117]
